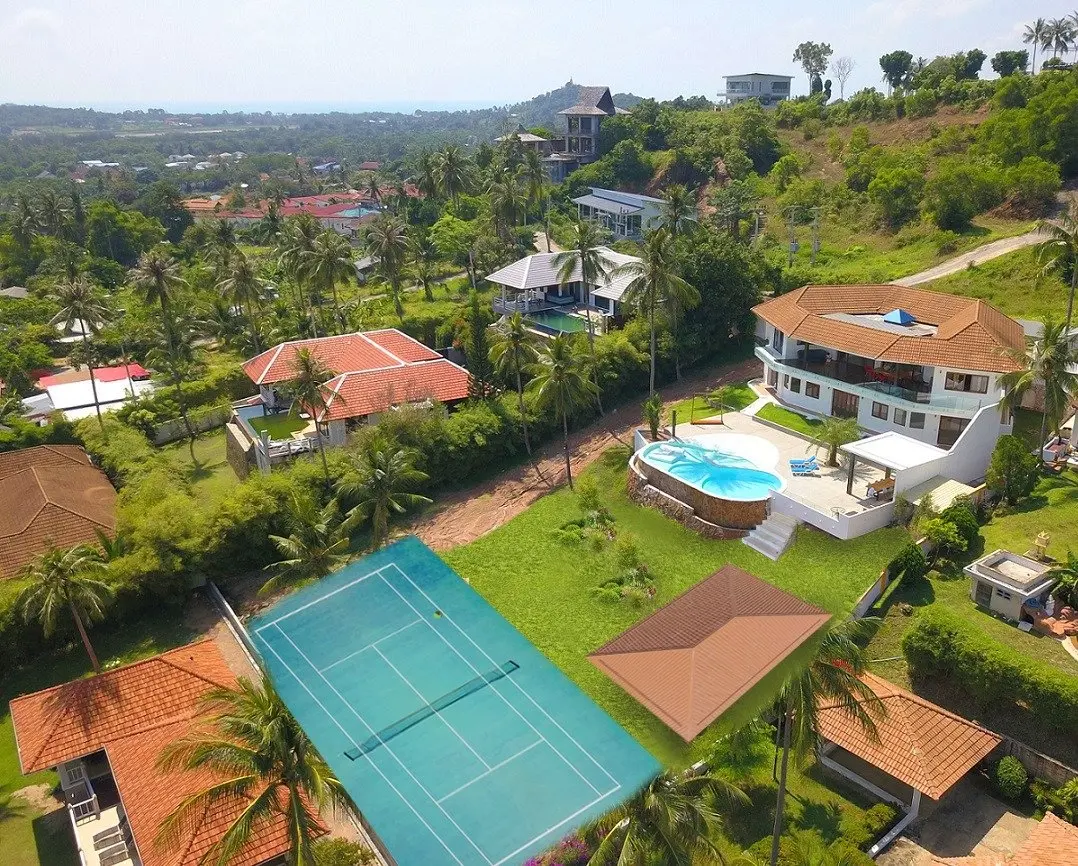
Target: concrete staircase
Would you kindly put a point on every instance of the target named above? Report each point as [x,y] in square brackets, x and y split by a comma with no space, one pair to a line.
[773,536]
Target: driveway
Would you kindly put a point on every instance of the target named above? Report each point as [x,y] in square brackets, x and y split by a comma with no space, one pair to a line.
[982,254]
[967,821]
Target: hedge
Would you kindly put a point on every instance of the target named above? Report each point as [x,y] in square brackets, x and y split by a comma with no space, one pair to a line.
[943,644]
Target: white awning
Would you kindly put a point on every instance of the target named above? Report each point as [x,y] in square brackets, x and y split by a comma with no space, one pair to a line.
[893,451]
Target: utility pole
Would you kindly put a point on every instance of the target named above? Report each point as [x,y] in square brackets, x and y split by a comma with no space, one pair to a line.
[790,214]
[815,232]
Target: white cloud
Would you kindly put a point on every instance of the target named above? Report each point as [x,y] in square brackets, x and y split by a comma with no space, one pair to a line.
[905,11]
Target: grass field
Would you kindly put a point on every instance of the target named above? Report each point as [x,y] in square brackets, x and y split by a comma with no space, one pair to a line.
[790,420]
[694,408]
[210,475]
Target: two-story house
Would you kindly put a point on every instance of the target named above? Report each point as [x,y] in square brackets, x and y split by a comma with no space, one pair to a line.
[580,144]
[924,364]
[764,88]
[623,214]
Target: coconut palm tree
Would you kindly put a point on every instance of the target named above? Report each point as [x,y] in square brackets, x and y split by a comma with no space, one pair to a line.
[834,433]
[831,678]
[382,484]
[244,288]
[678,210]
[388,244]
[583,260]
[1049,359]
[295,243]
[536,184]
[174,356]
[66,581]
[53,214]
[423,256]
[371,188]
[653,281]
[1060,250]
[329,262]
[220,245]
[309,392]
[317,544]
[671,820]
[507,200]
[24,221]
[512,352]
[1034,35]
[426,175]
[1059,37]
[454,173]
[258,755]
[560,382]
[157,277]
[81,307]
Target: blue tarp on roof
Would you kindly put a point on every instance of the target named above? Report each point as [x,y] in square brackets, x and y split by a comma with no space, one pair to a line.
[899,317]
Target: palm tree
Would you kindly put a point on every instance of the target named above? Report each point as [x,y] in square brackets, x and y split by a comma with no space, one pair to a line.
[834,433]
[536,184]
[221,245]
[831,678]
[294,245]
[245,289]
[513,352]
[1059,36]
[584,261]
[388,244]
[317,544]
[309,390]
[157,276]
[329,262]
[423,256]
[175,358]
[267,228]
[560,382]
[81,307]
[66,580]
[1066,575]
[653,282]
[1034,35]
[678,210]
[506,200]
[259,756]
[426,174]
[1049,359]
[24,221]
[382,484]
[722,398]
[1060,250]
[453,172]
[671,820]
[372,188]
[53,215]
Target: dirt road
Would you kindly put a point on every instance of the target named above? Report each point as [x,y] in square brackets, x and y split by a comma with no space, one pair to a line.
[981,254]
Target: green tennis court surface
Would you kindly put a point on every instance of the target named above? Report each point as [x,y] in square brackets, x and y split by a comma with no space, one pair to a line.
[457,739]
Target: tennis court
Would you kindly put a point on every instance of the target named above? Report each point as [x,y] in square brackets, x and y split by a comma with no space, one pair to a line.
[457,739]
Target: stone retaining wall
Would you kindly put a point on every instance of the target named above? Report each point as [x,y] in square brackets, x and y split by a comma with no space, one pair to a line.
[721,512]
[643,493]
[238,450]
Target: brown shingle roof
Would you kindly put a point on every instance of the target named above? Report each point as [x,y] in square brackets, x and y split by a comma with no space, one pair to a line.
[970,334]
[50,496]
[692,659]
[920,743]
[1052,842]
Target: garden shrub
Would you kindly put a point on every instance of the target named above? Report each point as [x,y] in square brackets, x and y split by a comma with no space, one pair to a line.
[342,852]
[909,562]
[16,433]
[1010,778]
[964,520]
[1062,801]
[944,536]
[1013,470]
[571,851]
[943,644]
[634,580]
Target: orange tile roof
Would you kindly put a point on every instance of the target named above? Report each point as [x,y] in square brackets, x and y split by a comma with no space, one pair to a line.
[51,496]
[1052,842]
[920,743]
[347,353]
[401,345]
[358,394]
[970,334]
[692,659]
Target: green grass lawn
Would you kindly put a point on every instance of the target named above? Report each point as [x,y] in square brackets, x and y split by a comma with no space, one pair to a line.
[542,586]
[280,426]
[790,420]
[696,407]
[210,475]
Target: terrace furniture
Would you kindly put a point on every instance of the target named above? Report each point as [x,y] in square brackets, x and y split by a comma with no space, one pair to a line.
[803,462]
[879,489]
[803,468]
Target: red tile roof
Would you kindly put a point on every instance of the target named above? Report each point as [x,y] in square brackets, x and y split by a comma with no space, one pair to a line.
[356,395]
[920,743]
[970,334]
[401,346]
[348,353]
[51,496]
[1052,842]
[692,659]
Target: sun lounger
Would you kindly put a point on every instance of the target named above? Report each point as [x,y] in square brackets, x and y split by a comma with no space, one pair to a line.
[794,461]
[803,468]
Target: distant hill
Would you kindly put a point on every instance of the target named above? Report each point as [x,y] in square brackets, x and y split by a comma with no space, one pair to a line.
[543,110]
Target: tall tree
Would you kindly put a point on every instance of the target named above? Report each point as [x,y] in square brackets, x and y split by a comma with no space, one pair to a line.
[53,214]
[174,356]
[81,308]
[295,243]
[537,184]
[316,545]
[832,678]
[66,581]
[243,287]
[559,382]
[328,263]
[1060,251]
[481,383]
[309,391]
[842,68]
[382,482]
[507,201]
[653,283]
[513,352]
[1034,35]
[813,57]
[389,245]
[896,67]
[157,278]
[24,221]
[678,210]
[1049,359]
[423,257]
[454,173]
[426,175]
[261,757]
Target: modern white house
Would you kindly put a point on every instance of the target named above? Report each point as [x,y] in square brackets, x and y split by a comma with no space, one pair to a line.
[923,364]
[765,88]
[626,215]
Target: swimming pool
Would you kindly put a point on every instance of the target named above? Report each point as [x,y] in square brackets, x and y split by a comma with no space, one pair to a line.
[711,469]
[554,321]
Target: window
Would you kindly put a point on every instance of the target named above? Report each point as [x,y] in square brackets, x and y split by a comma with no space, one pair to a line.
[812,390]
[1003,594]
[786,381]
[879,410]
[585,124]
[917,420]
[777,340]
[574,124]
[966,382]
[900,417]
[773,378]
[795,385]
[950,430]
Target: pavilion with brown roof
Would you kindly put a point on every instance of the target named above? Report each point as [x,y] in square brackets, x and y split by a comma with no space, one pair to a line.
[692,659]
[919,748]
[104,735]
[50,496]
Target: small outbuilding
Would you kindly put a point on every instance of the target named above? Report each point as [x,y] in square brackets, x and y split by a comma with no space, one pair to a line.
[1003,582]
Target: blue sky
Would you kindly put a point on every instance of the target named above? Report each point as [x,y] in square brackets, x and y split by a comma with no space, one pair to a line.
[266,54]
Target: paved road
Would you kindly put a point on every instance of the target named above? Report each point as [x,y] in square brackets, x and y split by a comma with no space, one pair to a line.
[981,254]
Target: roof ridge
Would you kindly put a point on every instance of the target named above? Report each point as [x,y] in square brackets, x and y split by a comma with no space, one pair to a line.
[400,361]
[34,516]
[62,507]
[916,753]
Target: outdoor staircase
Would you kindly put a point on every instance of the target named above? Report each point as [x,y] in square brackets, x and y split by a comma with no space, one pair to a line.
[773,536]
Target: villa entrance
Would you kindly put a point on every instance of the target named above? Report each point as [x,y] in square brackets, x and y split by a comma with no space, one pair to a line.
[844,404]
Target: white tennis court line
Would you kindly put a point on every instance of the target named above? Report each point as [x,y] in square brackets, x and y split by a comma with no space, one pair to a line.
[321,598]
[561,823]
[497,766]
[513,682]
[385,746]
[351,739]
[372,645]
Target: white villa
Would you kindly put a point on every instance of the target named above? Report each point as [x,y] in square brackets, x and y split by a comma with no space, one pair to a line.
[764,88]
[623,214]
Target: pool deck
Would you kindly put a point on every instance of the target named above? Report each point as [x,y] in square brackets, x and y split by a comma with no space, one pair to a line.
[825,489]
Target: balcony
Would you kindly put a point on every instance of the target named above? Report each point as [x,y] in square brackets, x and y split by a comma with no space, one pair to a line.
[102,833]
[901,389]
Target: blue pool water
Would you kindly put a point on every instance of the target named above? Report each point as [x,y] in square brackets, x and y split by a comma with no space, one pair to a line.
[460,743]
[726,476]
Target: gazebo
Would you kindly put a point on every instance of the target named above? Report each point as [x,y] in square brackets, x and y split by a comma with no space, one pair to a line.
[894,453]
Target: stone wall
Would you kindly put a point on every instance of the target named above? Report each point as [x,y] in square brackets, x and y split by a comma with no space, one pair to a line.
[722,512]
[238,450]
[643,493]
